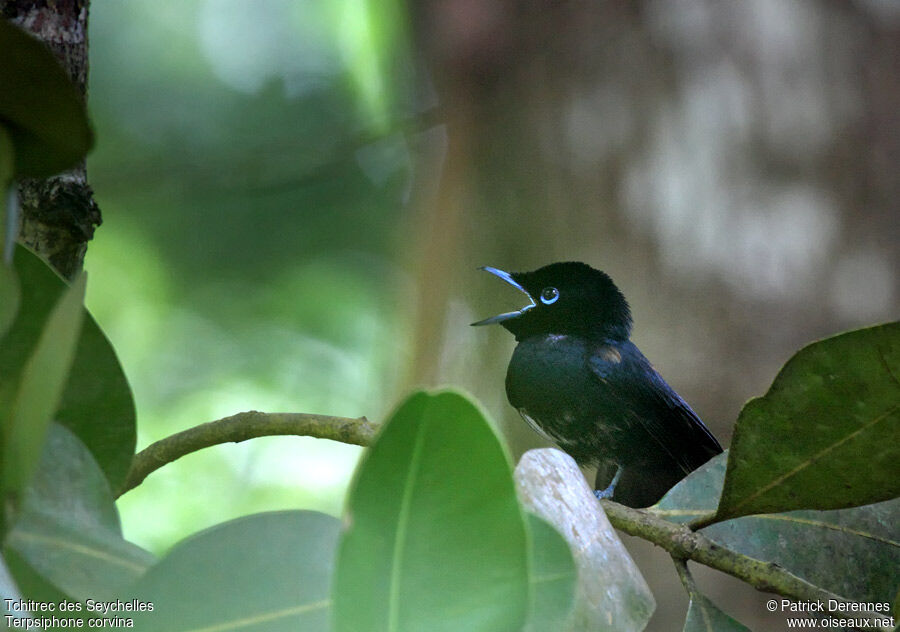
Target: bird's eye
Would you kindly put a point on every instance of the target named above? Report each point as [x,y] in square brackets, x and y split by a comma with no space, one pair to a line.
[549,295]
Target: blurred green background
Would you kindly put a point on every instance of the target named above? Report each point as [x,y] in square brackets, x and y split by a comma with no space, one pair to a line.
[253,193]
[296,194]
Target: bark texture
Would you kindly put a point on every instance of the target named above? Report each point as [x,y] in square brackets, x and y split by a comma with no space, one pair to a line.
[59,213]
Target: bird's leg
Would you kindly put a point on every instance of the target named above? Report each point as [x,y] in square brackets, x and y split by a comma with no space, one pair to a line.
[608,492]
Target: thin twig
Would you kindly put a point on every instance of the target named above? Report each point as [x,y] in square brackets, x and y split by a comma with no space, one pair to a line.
[243,426]
[687,580]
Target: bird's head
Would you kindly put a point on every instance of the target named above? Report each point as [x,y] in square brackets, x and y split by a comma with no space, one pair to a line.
[568,298]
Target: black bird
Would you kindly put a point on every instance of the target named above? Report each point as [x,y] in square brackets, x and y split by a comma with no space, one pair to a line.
[578,380]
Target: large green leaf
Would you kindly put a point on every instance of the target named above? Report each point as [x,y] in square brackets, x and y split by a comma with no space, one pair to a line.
[7,221]
[552,577]
[9,296]
[32,586]
[852,552]
[896,609]
[265,572]
[704,616]
[40,385]
[435,538]
[68,531]
[29,583]
[825,436]
[97,403]
[10,599]
[8,588]
[7,160]
[39,107]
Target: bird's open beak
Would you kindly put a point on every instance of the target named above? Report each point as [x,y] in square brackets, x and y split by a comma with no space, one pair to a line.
[499,318]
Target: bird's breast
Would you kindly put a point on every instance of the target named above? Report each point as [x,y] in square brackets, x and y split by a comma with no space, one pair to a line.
[543,368]
[549,383]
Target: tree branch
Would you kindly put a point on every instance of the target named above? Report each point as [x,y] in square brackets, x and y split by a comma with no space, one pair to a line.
[682,543]
[243,426]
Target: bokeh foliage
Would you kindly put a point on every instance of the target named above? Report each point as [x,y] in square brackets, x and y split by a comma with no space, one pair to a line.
[253,211]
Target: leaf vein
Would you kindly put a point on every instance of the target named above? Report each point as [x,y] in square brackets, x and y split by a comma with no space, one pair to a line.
[804,464]
[825,525]
[262,618]
[551,577]
[400,534]
[77,548]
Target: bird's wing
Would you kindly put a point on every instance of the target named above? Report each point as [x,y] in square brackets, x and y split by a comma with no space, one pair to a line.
[627,376]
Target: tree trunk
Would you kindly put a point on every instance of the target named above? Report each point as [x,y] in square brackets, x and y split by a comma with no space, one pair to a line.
[58,213]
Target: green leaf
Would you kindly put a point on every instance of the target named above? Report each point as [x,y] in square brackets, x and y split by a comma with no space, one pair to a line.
[7,167]
[552,577]
[852,552]
[896,610]
[435,538]
[68,531]
[39,390]
[9,297]
[704,616]
[7,160]
[8,588]
[97,404]
[269,571]
[825,434]
[30,584]
[695,495]
[39,107]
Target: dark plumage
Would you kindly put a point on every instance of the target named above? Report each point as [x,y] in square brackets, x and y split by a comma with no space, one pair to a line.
[577,379]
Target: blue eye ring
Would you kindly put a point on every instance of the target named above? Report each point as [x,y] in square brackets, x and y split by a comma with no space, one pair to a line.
[549,295]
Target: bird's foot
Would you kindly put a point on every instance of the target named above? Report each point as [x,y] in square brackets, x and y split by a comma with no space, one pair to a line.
[608,492]
[603,493]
